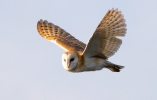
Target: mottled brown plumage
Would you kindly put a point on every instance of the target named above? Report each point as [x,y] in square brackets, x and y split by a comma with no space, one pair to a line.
[62,38]
[104,37]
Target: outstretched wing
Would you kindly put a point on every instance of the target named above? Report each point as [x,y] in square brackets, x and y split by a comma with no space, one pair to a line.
[55,34]
[104,42]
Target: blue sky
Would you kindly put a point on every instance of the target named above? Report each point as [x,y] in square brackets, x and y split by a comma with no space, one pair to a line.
[31,68]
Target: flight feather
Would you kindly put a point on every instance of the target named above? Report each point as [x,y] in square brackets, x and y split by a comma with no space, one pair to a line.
[59,36]
[104,42]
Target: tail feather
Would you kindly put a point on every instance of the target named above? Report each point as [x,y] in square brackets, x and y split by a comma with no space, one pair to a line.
[114,67]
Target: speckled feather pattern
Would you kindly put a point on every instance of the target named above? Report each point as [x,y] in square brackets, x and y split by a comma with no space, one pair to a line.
[105,36]
[114,25]
[62,38]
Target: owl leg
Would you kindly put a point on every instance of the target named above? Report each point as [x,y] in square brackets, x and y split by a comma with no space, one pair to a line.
[113,67]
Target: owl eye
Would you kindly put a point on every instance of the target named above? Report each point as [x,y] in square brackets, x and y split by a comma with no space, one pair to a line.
[64,60]
[72,59]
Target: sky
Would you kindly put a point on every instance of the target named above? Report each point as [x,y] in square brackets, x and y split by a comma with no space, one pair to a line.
[31,68]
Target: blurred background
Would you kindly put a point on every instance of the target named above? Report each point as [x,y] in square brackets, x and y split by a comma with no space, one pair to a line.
[31,68]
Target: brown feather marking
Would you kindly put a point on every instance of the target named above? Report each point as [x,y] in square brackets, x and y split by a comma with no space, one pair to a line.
[54,33]
[104,41]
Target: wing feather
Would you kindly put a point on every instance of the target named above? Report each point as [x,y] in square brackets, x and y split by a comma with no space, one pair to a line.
[104,42]
[59,36]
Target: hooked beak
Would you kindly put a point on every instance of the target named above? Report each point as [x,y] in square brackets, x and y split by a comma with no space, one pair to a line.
[68,64]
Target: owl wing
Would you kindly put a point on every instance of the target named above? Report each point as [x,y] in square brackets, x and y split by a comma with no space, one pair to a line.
[59,36]
[104,42]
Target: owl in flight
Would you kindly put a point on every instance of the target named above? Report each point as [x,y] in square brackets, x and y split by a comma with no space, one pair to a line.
[80,57]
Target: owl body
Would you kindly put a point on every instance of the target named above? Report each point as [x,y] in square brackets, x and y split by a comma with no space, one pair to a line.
[93,64]
[80,57]
[82,63]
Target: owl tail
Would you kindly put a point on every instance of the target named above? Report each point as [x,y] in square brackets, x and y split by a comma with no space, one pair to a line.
[113,67]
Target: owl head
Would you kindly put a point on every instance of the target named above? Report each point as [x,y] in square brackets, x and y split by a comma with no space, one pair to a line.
[69,60]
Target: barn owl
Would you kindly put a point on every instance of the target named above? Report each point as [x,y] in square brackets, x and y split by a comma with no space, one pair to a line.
[80,57]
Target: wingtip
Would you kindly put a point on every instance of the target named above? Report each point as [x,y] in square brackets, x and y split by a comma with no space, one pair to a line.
[40,21]
[45,21]
[114,9]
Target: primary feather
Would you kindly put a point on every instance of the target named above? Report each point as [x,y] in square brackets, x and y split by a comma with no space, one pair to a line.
[104,42]
[62,38]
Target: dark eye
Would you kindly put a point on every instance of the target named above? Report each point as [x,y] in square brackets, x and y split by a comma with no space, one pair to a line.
[72,59]
[64,60]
